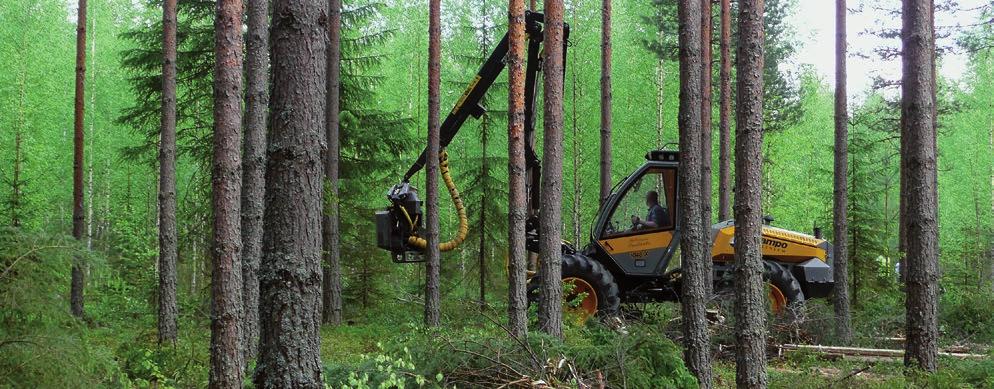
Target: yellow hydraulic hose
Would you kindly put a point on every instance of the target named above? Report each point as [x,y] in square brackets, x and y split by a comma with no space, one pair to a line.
[421,243]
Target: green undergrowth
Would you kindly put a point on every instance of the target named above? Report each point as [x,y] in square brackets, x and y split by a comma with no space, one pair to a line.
[487,356]
[115,345]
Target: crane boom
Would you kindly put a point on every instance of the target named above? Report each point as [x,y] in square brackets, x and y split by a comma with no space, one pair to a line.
[400,223]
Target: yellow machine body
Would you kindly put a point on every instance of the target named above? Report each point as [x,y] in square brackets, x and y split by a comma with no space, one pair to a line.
[778,244]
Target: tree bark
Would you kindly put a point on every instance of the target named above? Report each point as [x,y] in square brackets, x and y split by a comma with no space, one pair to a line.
[724,110]
[706,147]
[693,238]
[432,254]
[227,359]
[15,184]
[990,148]
[254,166]
[517,254]
[840,255]
[290,273]
[332,291]
[77,282]
[605,174]
[550,309]
[921,213]
[706,136]
[167,179]
[750,312]
[575,142]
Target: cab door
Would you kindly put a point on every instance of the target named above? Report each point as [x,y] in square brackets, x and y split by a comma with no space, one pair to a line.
[638,249]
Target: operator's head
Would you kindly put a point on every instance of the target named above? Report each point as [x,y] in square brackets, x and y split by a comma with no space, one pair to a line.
[652,198]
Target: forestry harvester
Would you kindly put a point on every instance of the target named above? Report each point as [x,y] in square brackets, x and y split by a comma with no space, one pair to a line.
[635,235]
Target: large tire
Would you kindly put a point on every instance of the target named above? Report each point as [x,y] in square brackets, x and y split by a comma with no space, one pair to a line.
[594,274]
[781,278]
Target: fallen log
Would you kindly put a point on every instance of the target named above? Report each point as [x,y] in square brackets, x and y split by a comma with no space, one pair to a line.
[870,352]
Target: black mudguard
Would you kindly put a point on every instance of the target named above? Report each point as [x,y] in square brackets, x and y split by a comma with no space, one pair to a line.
[815,277]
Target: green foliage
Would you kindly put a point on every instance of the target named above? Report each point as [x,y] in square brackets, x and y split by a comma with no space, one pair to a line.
[967,315]
[486,356]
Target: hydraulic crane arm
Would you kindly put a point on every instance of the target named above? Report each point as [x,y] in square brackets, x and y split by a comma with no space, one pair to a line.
[397,228]
[469,104]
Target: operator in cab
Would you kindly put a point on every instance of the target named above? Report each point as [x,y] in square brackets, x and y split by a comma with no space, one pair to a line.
[657,217]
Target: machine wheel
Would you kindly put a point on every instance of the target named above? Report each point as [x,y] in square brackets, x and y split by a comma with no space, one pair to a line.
[592,284]
[785,294]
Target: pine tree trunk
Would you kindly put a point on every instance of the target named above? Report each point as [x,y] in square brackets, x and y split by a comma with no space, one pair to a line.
[432,254]
[89,139]
[575,138]
[706,147]
[227,359]
[517,254]
[840,255]
[15,184]
[695,260]
[990,145]
[706,136]
[484,170]
[660,96]
[254,166]
[724,111]
[550,309]
[921,213]
[750,302]
[332,290]
[290,273]
[167,179]
[605,174]
[77,283]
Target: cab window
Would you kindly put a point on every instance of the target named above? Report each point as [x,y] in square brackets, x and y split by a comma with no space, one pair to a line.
[647,205]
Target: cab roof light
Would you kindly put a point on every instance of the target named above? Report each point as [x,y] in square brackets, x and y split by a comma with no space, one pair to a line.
[663,155]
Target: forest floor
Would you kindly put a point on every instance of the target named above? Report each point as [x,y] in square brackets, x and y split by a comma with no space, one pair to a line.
[799,369]
[41,345]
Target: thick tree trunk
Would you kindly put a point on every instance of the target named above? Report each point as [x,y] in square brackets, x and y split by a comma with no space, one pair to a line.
[840,255]
[921,213]
[227,359]
[290,273]
[750,312]
[693,238]
[432,254]
[605,176]
[89,139]
[77,283]
[517,303]
[706,137]
[724,111]
[167,179]
[550,309]
[332,290]
[706,147]
[254,166]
